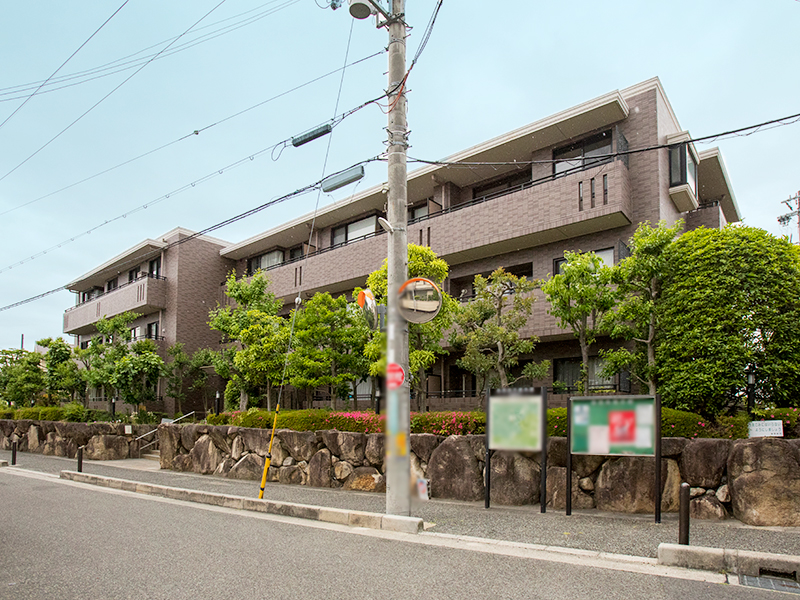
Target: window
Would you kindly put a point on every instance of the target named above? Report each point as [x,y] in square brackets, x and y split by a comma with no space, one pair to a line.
[91,294]
[417,212]
[567,372]
[155,267]
[84,344]
[111,284]
[498,186]
[682,167]
[152,331]
[354,231]
[590,151]
[133,275]
[605,189]
[264,261]
[136,332]
[606,255]
[295,253]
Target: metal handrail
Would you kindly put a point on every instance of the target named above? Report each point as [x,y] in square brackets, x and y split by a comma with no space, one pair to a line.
[156,429]
[155,441]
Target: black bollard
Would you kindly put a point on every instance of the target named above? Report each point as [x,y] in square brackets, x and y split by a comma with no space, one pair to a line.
[80,459]
[683,530]
[13,453]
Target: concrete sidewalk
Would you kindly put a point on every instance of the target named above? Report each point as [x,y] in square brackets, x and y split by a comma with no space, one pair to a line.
[635,535]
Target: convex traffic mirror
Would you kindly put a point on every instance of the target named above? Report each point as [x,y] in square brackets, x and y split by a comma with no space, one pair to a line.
[366,300]
[420,300]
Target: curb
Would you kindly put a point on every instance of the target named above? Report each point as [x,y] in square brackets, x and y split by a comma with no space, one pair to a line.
[738,562]
[3,463]
[353,518]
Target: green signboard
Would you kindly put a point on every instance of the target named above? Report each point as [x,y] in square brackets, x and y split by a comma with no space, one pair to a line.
[613,425]
[515,422]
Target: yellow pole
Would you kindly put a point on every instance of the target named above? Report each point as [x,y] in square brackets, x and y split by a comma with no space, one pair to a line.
[269,454]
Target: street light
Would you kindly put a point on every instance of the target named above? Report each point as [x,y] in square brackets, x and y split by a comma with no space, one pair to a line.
[751,389]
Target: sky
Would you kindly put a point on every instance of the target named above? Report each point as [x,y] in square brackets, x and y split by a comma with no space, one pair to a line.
[119,133]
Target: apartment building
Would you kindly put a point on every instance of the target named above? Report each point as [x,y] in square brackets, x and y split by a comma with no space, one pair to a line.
[586,178]
[172,285]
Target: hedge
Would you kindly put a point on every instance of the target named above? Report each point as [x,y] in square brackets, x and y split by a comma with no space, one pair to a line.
[674,423]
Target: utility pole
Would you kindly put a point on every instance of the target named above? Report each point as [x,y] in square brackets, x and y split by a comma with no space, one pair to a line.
[787,218]
[398,404]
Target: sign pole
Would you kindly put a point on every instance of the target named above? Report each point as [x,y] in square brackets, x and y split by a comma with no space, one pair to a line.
[488,464]
[543,469]
[657,433]
[569,457]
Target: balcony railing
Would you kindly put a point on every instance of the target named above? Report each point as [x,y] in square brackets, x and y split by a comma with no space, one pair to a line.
[475,201]
[119,287]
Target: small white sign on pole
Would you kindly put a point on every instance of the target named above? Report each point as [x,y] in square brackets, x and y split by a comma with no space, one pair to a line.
[765,429]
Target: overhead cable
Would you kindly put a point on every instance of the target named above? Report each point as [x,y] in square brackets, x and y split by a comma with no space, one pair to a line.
[8,118]
[128,62]
[96,104]
[248,213]
[207,127]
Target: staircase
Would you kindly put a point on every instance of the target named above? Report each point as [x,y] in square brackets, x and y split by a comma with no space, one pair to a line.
[151,455]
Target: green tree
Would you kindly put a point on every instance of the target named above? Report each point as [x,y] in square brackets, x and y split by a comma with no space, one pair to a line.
[105,350]
[176,372]
[24,378]
[328,346]
[261,360]
[488,330]
[135,375]
[200,362]
[424,340]
[579,296]
[58,354]
[251,304]
[731,301]
[639,282]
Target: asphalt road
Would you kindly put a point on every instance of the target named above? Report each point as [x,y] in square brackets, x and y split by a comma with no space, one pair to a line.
[636,535]
[67,540]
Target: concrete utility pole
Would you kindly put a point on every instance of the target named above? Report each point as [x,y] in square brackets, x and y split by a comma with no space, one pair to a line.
[398,405]
[397,401]
[787,218]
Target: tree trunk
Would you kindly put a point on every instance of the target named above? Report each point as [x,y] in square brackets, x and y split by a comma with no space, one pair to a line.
[422,396]
[584,360]
[243,400]
[651,356]
[501,370]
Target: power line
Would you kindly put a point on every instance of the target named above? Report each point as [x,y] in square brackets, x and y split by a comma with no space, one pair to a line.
[8,118]
[221,224]
[202,129]
[741,132]
[216,173]
[111,92]
[124,64]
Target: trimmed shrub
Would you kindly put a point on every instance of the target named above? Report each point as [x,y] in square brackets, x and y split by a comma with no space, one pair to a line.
[28,413]
[7,413]
[449,423]
[51,413]
[75,412]
[220,419]
[557,422]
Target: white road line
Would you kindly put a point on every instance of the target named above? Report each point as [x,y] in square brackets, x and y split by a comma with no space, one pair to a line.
[539,552]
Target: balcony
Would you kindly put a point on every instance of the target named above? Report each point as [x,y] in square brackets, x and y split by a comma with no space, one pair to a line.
[532,214]
[144,295]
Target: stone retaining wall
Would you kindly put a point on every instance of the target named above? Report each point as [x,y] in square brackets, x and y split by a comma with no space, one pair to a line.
[757,481]
[102,441]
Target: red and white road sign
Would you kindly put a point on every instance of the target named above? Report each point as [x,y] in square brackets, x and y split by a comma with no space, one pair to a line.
[395,376]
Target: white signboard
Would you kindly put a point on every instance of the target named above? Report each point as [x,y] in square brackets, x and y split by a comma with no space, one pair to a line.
[765,429]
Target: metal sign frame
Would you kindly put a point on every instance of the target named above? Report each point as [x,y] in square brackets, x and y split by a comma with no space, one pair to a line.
[541,393]
[656,443]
